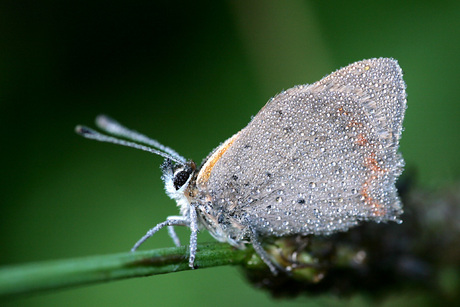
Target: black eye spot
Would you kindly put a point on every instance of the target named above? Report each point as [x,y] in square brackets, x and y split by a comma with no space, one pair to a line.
[235,177]
[301,201]
[180,179]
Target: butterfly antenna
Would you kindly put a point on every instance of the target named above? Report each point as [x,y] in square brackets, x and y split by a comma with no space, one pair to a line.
[94,135]
[113,127]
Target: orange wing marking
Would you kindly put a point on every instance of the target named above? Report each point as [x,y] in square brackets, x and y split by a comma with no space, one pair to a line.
[205,172]
[371,164]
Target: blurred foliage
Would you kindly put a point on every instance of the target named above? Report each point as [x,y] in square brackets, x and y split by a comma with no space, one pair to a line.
[189,74]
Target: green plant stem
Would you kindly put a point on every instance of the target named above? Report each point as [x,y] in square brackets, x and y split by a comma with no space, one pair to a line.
[51,275]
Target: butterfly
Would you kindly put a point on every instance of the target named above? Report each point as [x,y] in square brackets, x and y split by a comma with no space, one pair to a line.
[317,159]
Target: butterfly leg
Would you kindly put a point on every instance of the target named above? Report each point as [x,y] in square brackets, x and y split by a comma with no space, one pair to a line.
[171,221]
[193,235]
[173,235]
[262,253]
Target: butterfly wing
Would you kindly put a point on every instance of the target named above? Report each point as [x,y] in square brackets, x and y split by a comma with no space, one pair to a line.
[318,158]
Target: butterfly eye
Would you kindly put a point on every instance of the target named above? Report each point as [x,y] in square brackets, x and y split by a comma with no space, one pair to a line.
[180,177]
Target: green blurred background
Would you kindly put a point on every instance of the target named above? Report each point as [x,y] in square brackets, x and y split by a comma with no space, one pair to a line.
[189,74]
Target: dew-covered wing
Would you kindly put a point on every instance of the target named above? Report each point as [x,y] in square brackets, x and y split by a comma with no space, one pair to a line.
[318,158]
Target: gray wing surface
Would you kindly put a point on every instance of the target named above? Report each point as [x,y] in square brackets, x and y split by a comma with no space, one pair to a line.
[319,158]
